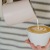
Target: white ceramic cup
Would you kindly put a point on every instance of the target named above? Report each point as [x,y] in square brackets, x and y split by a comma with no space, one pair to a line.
[38,39]
[18,12]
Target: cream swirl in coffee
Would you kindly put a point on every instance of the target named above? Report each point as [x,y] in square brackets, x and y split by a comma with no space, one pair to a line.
[42,29]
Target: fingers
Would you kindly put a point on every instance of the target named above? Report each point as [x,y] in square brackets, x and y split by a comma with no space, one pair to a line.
[27,41]
[48,44]
[49,41]
[31,44]
[39,47]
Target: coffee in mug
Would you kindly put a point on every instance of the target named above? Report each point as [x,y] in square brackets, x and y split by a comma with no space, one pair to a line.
[39,36]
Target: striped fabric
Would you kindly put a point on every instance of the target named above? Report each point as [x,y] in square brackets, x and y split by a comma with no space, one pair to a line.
[13,37]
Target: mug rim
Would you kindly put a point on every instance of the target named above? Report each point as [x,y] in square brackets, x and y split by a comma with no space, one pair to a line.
[38,33]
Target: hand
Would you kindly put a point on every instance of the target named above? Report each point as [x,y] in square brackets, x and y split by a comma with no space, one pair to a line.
[38,47]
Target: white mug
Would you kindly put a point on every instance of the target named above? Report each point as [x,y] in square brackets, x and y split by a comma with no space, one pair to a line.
[38,39]
[18,12]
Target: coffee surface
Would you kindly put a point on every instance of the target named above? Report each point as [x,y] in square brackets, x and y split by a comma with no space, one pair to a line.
[40,30]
